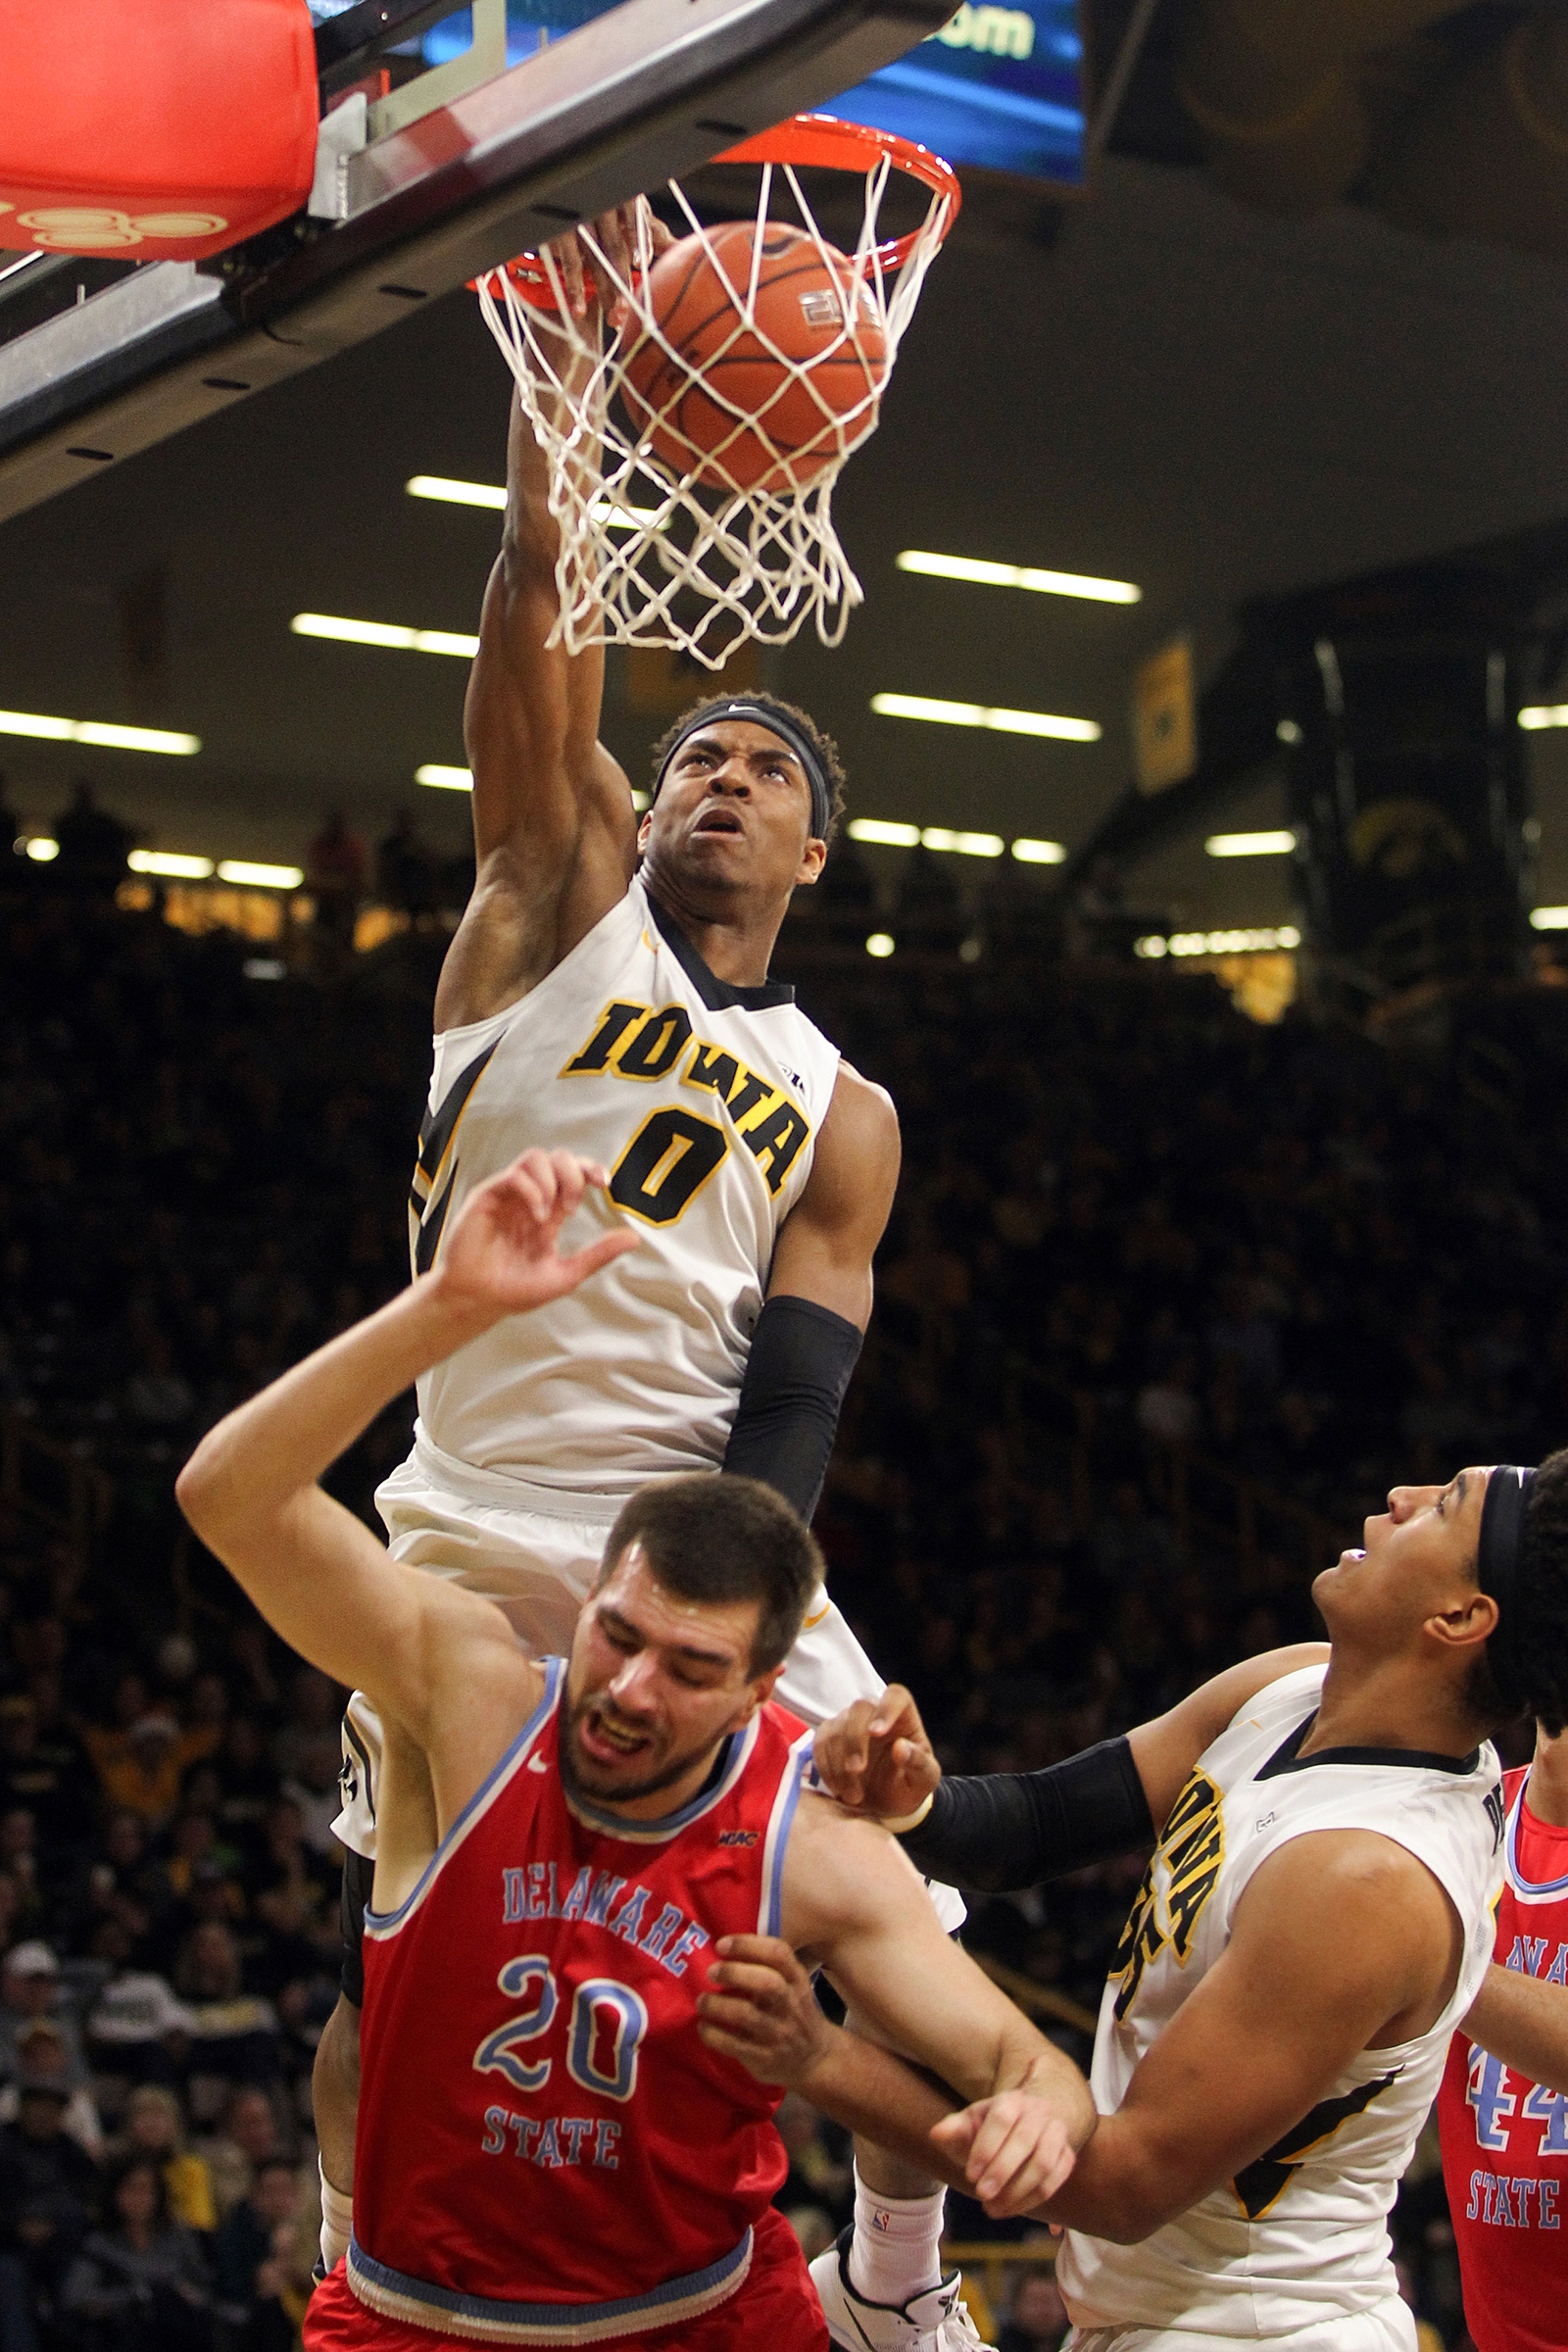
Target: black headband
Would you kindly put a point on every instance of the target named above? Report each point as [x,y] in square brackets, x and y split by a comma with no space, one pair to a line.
[787,732]
[1501,1570]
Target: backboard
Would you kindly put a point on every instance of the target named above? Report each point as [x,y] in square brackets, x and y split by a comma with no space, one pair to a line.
[427,176]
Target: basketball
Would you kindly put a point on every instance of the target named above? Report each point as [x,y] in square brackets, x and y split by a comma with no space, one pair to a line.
[769,401]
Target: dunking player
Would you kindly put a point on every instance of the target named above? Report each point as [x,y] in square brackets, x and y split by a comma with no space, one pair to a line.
[1315,1922]
[608,992]
[1504,2128]
[554,2146]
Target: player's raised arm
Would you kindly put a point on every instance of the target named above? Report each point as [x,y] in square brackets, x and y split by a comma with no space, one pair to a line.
[818,1302]
[554,832]
[319,1575]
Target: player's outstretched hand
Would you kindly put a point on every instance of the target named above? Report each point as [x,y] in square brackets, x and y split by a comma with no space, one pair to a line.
[875,1757]
[759,2008]
[501,1255]
[1014,2148]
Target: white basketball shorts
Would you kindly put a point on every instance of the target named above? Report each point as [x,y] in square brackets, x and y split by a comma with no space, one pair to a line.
[536,1551]
[1388,2327]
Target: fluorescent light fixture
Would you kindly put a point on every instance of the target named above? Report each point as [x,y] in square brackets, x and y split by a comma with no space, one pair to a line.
[444,779]
[252,876]
[1261,942]
[456,494]
[1250,845]
[879,944]
[979,714]
[1543,715]
[1019,575]
[882,829]
[97,731]
[1543,919]
[616,513]
[389,634]
[42,850]
[265,967]
[170,863]
[1040,853]
[964,845]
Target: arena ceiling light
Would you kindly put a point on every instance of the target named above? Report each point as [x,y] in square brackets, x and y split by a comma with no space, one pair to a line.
[1543,715]
[1040,853]
[1549,919]
[390,634]
[250,876]
[884,830]
[494,495]
[979,714]
[461,779]
[170,863]
[1278,844]
[1258,942]
[1019,575]
[42,850]
[102,733]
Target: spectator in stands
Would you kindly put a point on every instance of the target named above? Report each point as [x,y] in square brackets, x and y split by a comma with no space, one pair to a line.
[48,2186]
[139,2283]
[249,2138]
[30,1988]
[154,2125]
[137,2031]
[19,1862]
[1036,2317]
[43,2055]
[140,1768]
[233,2033]
[283,2288]
[334,875]
[245,2241]
[93,847]
[408,873]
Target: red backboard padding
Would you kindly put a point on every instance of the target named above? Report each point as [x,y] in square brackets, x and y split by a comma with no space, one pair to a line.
[153,132]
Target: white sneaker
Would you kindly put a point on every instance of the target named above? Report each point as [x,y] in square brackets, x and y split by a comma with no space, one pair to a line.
[934,2320]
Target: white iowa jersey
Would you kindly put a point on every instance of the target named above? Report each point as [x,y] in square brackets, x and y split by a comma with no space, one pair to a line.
[1298,2238]
[704,1101]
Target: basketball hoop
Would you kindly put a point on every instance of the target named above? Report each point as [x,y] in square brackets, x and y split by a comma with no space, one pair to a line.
[652,552]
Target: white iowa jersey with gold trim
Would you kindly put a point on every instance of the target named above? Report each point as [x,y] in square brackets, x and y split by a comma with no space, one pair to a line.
[704,1101]
[1298,2237]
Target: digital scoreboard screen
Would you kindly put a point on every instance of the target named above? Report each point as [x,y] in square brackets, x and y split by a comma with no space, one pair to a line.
[997,87]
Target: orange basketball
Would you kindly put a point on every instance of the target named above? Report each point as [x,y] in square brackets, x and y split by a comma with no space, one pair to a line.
[706,396]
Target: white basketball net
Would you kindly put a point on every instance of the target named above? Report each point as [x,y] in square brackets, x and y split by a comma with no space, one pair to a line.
[653,557]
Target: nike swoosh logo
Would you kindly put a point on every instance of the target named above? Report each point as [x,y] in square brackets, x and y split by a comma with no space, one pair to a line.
[537,1764]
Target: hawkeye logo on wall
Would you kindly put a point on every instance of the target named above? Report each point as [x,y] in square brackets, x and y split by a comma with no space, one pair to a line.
[73,229]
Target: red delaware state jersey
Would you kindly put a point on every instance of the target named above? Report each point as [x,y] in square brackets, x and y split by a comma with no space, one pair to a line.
[547,2153]
[1505,2140]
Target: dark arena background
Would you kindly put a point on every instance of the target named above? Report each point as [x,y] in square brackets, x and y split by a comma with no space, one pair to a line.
[1199,908]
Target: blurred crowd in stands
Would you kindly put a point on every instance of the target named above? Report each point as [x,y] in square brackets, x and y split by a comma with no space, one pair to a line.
[1140,1241]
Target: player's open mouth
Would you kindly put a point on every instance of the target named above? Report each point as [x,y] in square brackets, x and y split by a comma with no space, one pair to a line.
[718,820]
[606,1742]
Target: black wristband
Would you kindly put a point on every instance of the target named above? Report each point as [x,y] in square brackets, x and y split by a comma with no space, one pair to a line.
[799,1368]
[1006,1830]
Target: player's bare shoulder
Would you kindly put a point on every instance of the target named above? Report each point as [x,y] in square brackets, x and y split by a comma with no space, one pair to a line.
[859,1148]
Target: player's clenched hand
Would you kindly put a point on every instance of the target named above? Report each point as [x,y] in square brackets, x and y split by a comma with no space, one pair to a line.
[875,1757]
[1014,2148]
[501,1255]
[759,2008]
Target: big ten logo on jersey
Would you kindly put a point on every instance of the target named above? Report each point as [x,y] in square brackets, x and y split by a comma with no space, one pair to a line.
[676,1150]
[1189,1853]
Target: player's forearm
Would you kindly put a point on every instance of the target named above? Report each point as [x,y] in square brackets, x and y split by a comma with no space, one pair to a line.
[1000,1830]
[259,1457]
[1524,2021]
[1121,2189]
[1028,2063]
[867,2090]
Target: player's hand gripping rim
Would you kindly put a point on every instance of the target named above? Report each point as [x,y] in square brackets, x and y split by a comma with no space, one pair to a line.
[758,2008]
[501,1257]
[875,1758]
[621,236]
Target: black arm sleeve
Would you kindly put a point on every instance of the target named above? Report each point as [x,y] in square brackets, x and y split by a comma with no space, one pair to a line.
[1006,1830]
[800,1365]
